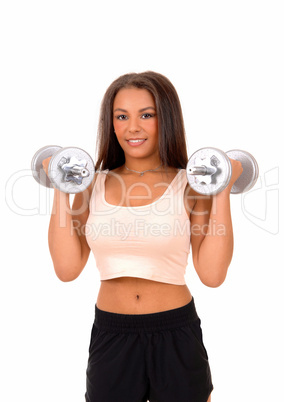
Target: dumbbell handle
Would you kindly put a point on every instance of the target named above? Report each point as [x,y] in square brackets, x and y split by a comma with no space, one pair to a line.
[77,170]
[74,169]
[202,170]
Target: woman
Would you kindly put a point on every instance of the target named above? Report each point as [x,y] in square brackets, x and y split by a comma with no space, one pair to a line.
[139,218]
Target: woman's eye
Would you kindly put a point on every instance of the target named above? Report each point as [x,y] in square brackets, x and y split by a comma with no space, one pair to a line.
[121,117]
[147,115]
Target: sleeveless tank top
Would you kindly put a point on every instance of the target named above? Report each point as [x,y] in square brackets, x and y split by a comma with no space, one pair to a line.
[150,241]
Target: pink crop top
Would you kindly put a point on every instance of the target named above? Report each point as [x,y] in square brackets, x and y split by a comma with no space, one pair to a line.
[150,241]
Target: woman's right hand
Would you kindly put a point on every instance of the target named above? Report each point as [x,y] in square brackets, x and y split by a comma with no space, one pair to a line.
[45,164]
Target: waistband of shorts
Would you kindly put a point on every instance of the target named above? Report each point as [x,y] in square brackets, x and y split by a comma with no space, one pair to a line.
[163,320]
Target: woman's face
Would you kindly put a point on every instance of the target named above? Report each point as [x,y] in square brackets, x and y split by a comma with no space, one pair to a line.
[135,118]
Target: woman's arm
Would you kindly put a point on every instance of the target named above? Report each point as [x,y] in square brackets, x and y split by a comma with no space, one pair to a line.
[66,238]
[212,233]
[67,242]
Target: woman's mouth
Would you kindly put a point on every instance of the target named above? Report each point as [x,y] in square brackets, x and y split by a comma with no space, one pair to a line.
[136,143]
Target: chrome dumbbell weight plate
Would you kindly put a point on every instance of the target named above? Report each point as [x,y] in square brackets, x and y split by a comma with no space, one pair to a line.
[209,171]
[36,164]
[250,171]
[71,170]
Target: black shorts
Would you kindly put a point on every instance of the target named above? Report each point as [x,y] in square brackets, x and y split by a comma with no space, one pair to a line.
[158,357]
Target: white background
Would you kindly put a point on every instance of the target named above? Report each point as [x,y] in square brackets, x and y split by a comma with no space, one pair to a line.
[225,59]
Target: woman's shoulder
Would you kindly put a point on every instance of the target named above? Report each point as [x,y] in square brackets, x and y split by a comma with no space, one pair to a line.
[91,186]
[98,174]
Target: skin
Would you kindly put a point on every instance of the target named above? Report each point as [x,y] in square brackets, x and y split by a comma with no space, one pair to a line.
[135,117]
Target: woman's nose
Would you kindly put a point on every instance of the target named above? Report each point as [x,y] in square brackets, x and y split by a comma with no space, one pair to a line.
[134,126]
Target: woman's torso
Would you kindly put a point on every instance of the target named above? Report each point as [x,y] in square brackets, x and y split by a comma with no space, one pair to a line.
[126,295]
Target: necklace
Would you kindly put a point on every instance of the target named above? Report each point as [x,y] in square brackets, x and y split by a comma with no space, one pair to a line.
[142,173]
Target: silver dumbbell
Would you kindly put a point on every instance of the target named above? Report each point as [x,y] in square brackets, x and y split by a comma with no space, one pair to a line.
[70,169]
[209,171]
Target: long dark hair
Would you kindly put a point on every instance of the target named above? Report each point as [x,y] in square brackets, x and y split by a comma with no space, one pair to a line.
[172,140]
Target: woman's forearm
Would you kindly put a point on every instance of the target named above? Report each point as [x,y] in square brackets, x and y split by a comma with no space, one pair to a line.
[216,249]
[64,243]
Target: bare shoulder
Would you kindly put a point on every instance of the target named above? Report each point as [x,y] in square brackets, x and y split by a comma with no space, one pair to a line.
[91,186]
[195,202]
[189,198]
[82,199]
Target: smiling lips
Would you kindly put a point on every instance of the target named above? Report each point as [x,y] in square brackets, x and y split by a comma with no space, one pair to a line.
[136,142]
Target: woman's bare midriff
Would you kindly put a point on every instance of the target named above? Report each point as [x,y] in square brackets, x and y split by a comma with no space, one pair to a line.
[128,295]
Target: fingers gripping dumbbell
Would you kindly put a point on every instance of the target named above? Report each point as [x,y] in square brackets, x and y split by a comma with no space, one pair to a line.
[209,171]
[70,170]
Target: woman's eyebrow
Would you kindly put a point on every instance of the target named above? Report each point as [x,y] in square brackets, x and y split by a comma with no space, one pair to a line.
[140,111]
[120,110]
[145,108]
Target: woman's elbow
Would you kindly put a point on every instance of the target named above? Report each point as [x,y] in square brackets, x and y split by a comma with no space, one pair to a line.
[213,282]
[67,274]
[214,279]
